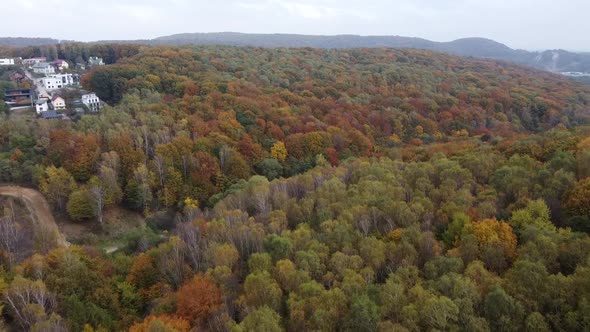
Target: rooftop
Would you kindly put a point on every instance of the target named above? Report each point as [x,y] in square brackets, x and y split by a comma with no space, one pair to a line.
[50,115]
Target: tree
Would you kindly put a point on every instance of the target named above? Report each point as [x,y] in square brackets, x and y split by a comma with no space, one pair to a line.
[11,234]
[29,302]
[57,184]
[197,299]
[277,246]
[577,201]
[496,241]
[138,191]
[224,255]
[535,214]
[439,313]
[271,168]
[161,323]
[98,194]
[260,289]
[81,205]
[109,181]
[393,299]
[259,262]
[279,151]
[363,317]
[502,311]
[263,319]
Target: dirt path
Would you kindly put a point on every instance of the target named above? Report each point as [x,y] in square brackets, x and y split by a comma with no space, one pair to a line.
[38,207]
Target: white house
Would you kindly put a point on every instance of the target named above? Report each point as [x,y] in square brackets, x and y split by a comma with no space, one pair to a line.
[60,64]
[91,101]
[41,106]
[33,61]
[57,81]
[43,68]
[6,62]
[95,61]
[58,103]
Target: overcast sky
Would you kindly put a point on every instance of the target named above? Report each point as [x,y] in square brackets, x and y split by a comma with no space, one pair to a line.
[526,24]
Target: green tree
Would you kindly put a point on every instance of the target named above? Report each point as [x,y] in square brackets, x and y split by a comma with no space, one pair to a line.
[263,319]
[502,311]
[363,317]
[81,205]
[57,184]
[260,289]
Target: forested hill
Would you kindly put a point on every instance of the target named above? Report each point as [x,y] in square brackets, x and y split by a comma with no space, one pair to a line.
[24,41]
[302,190]
[551,60]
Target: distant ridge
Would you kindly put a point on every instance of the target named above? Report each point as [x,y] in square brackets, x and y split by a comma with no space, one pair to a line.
[24,41]
[551,60]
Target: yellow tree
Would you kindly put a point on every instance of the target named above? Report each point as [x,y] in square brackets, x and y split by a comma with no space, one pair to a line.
[279,151]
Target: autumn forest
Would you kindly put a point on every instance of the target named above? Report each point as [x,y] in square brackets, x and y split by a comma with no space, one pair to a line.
[301,190]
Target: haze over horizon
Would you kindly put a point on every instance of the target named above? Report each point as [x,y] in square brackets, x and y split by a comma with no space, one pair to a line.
[522,24]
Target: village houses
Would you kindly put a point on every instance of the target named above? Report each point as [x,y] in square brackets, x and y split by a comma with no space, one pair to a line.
[60,64]
[41,106]
[33,61]
[91,101]
[43,68]
[58,103]
[94,61]
[57,81]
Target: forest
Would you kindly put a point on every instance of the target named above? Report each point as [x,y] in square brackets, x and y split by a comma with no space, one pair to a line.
[306,190]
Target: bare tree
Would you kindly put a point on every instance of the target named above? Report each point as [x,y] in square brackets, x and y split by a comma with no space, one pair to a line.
[10,234]
[160,166]
[28,301]
[98,195]
[171,264]
[196,244]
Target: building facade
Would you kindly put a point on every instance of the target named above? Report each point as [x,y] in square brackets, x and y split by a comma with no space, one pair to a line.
[58,103]
[43,68]
[91,101]
[57,81]
[6,62]
[60,65]
[95,61]
[41,106]
[33,61]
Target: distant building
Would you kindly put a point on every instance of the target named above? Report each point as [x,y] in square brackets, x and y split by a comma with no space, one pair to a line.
[43,68]
[94,61]
[57,81]
[91,101]
[33,61]
[60,64]
[6,62]
[41,106]
[58,103]
[18,97]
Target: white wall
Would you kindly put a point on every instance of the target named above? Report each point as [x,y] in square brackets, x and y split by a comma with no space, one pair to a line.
[6,62]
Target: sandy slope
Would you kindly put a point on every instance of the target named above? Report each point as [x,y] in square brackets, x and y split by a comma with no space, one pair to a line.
[38,207]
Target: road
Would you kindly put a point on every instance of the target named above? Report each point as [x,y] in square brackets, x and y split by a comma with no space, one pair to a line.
[39,209]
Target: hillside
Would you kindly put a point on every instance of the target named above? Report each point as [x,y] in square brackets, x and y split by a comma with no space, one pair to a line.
[552,60]
[304,189]
[23,41]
